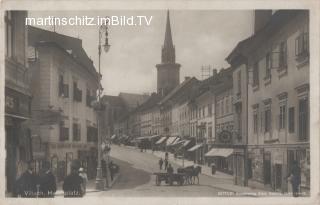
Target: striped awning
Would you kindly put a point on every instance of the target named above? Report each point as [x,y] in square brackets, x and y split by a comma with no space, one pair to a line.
[186,142]
[177,142]
[170,140]
[219,152]
[195,147]
[162,139]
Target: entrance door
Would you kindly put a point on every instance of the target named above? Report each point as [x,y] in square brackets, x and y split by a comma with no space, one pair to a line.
[278,176]
[267,168]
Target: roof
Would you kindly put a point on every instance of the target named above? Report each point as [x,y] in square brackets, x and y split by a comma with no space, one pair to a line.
[276,22]
[113,100]
[215,83]
[132,100]
[71,45]
[179,88]
[151,102]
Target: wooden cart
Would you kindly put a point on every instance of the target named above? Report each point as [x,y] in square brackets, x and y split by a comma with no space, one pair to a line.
[169,178]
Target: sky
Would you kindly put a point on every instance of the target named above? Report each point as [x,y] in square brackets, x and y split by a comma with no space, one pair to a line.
[201,38]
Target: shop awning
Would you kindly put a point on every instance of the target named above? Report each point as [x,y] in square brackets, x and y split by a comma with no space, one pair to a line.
[113,137]
[162,139]
[170,140]
[219,152]
[142,138]
[177,142]
[194,148]
[186,142]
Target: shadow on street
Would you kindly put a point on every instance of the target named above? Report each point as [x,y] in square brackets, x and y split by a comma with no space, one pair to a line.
[130,177]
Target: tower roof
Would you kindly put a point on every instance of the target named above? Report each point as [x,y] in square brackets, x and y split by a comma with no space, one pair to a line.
[168,37]
[168,50]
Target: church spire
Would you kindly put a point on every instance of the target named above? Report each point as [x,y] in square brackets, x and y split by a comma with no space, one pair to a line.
[168,50]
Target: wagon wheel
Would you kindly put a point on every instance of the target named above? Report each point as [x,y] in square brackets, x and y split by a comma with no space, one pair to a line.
[158,182]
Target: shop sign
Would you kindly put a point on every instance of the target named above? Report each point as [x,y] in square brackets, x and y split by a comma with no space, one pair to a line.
[16,103]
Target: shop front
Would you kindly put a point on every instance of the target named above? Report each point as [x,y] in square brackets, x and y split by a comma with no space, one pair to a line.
[17,135]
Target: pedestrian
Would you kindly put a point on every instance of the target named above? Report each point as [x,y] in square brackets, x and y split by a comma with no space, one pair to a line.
[166,156]
[47,183]
[26,185]
[295,178]
[170,169]
[84,177]
[165,164]
[160,163]
[72,183]
[170,172]
[111,169]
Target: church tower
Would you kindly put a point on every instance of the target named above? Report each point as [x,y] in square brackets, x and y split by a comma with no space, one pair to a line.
[168,72]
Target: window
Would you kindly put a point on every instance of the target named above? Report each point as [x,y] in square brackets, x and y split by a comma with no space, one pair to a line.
[203,112]
[210,110]
[282,117]
[9,34]
[64,132]
[63,88]
[291,119]
[76,132]
[256,74]
[267,120]
[77,93]
[92,134]
[89,98]
[283,55]
[303,119]
[227,105]
[218,109]
[222,107]
[255,122]
[302,45]
[239,84]
[268,66]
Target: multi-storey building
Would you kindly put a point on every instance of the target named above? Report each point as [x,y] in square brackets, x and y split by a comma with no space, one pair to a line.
[64,83]
[224,126]
[277,60]
[17,98]
[202,119]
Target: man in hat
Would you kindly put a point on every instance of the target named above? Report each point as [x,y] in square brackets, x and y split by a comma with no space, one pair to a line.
[72,183]
[26,185]
[47,182]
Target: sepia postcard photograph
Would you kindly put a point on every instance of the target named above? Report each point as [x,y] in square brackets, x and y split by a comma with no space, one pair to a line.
[164,103]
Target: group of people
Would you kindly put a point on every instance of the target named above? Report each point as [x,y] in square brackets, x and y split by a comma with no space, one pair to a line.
[167,165]
[43,185]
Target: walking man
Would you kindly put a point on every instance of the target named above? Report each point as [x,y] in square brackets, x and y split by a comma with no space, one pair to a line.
[165,164]
[160,163]
[295,178]
[47,183]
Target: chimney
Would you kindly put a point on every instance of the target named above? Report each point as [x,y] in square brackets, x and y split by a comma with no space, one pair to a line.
[187,78]
[261,18]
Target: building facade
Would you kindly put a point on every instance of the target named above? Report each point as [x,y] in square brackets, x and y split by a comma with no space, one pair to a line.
[17,98]
[64,83]
[278,103]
